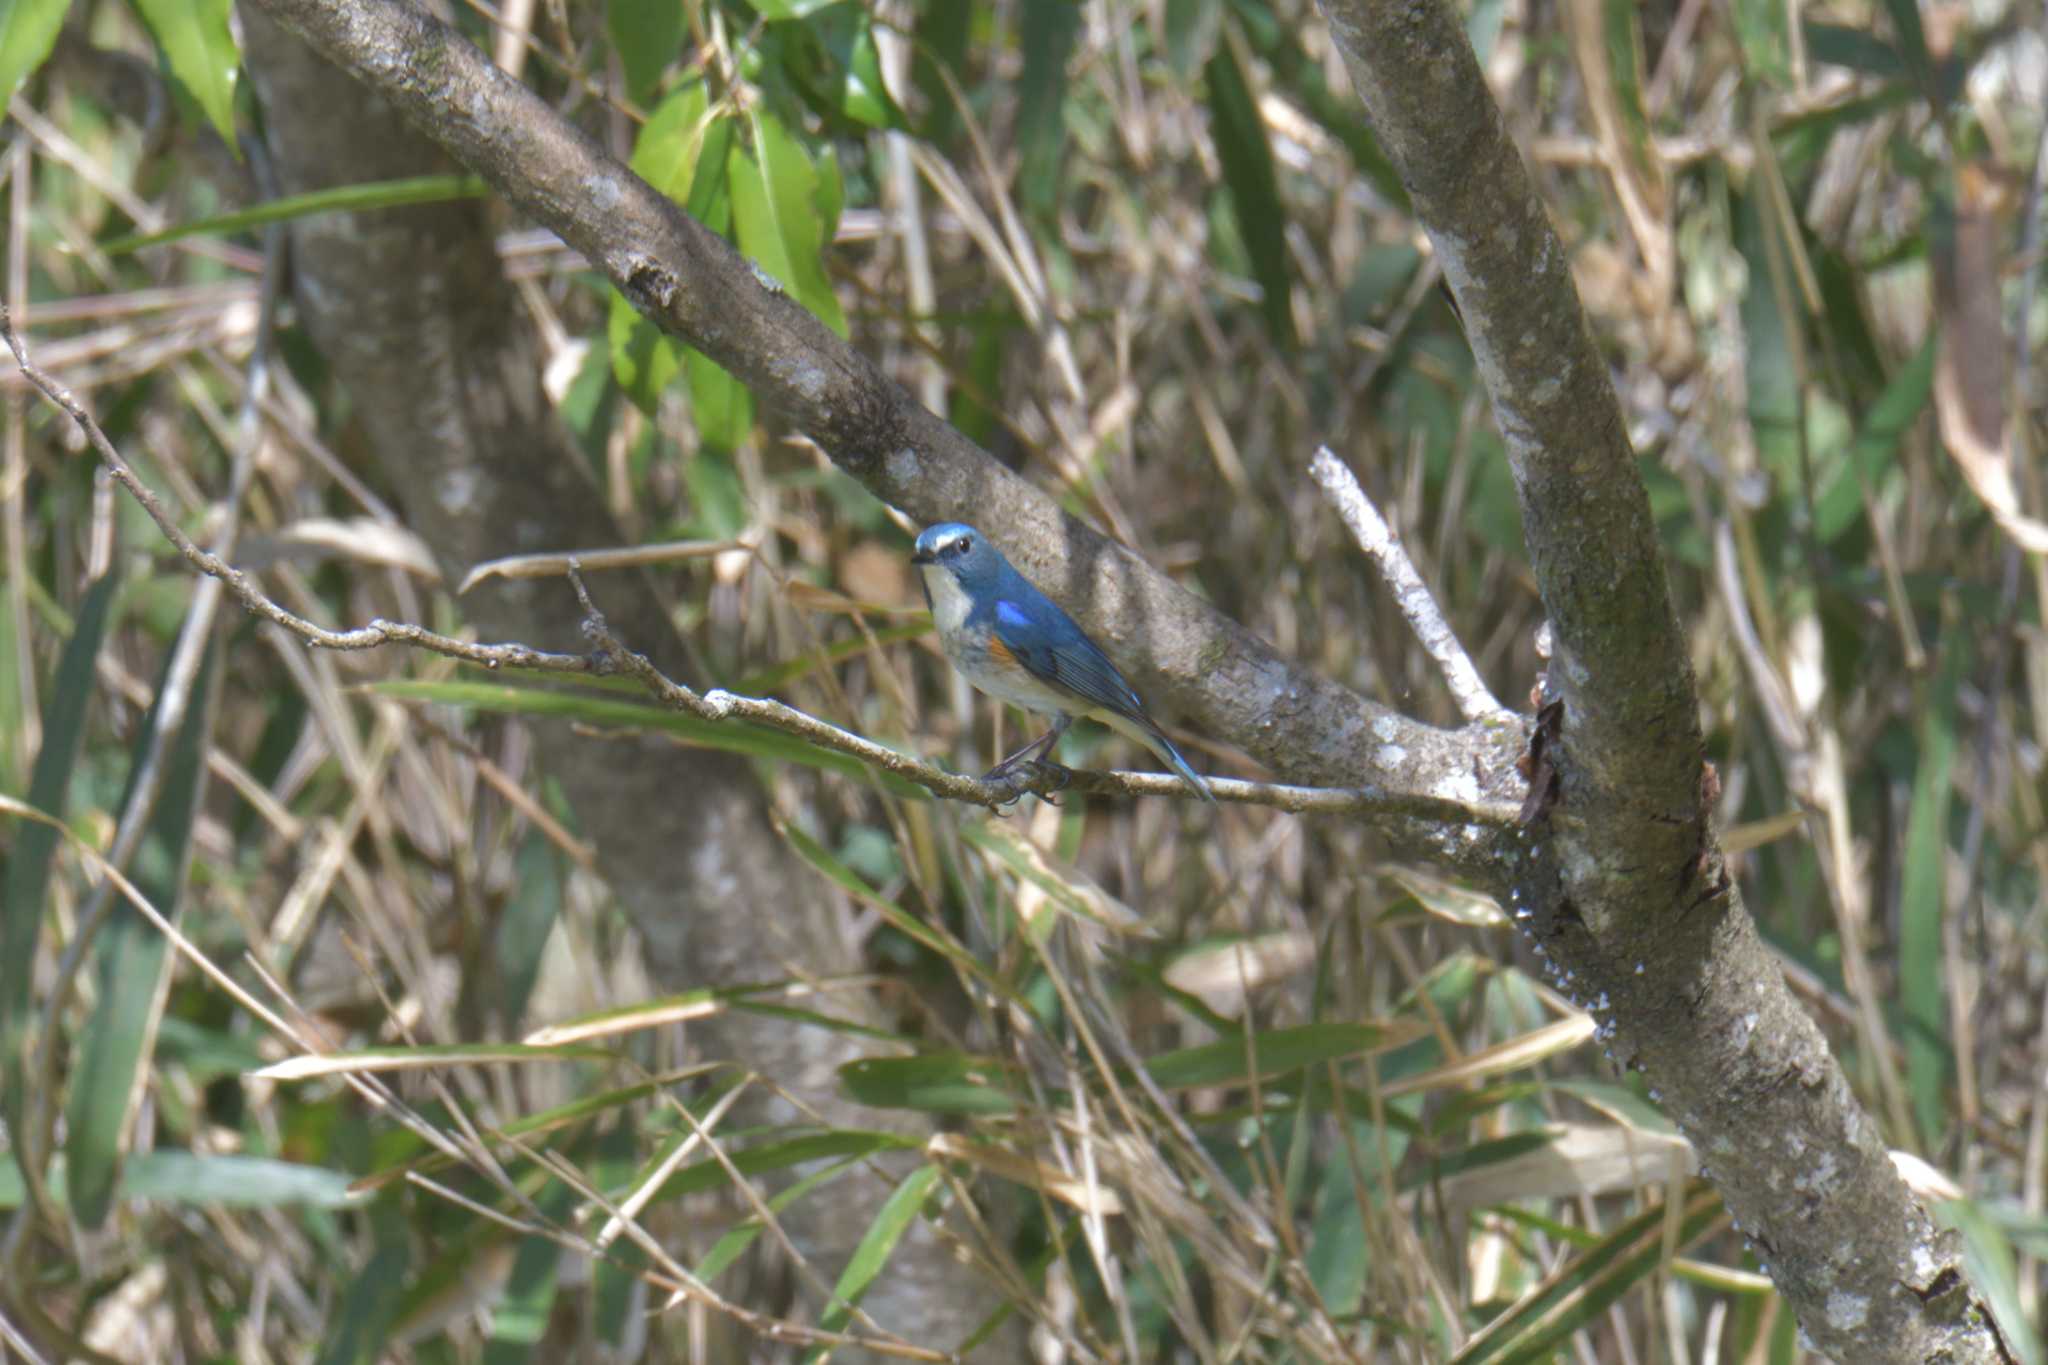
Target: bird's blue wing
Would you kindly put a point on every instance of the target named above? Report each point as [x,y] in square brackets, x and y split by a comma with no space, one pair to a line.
[1054,650]
[1050,647]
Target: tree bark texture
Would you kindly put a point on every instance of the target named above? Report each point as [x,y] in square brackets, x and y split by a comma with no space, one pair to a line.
[413,311]
[1623,882]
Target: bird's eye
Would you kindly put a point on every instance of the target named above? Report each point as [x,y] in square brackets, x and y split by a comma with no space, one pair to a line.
[963,545]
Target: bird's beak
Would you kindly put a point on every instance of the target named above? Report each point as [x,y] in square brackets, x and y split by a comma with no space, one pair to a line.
[921,558]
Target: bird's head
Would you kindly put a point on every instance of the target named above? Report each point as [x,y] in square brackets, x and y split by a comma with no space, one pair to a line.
[958,550]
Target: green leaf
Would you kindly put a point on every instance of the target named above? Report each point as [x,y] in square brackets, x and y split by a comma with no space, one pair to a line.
[1301,75]
[1191,30]
[615,1306]
[205,1054]
[898,1212]
[1771,368]
[28,30]
[711,1174]
[363,1318]
[233,1181]
[1621,32]
[645,360]
[936,1083]
[647,35]
[1579,1292]
[1896,412]
[779,205]
[180,1177]
[940,48]
[374,194]
[682,152]
[1988,1260]
[666,152]
[133,966]
[530,1126]
[1252,185]
[830,58]
[524,927]
[720,405]
[1920,894]
[1854,47]
[822,861]
[201,54]
[1764,34]
[1277,1051]
[1047,32]
[595,709]
[864,97]
[1912,41]
[731,1246]
[519,1320]
[27,879]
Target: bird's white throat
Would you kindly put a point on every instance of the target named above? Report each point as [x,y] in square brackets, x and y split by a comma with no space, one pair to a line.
[950,604]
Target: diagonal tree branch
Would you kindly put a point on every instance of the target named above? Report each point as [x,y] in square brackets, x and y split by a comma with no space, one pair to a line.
[689,281]
[1626,887]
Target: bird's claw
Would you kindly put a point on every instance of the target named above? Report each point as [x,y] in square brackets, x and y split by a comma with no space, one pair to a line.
[1029,776]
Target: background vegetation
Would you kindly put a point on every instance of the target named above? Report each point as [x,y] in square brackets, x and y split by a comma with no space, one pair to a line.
[1179,1083]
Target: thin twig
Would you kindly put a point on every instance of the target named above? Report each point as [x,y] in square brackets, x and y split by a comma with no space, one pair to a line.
[1411,594]
[553,565]
[612,656]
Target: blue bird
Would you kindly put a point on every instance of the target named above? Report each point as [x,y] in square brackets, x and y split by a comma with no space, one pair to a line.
[1014,643]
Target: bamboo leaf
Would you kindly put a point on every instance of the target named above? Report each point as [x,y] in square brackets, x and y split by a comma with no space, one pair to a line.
[895,1218]
[27,879]
[936,1083]
[376,194]
[1276,1052]
[420,1058]
[1047,31]
[780,1155]
[1580,1291]
[1921,893]
[205,1180]
[364,1317]
[133,969]
[734,1243]
[592,708]
[1253,185]
[200,51]
[28,30]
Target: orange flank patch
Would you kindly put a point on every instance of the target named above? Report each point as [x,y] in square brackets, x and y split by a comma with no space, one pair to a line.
[999,653]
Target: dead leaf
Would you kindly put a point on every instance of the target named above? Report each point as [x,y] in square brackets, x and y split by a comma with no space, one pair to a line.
[1970,384]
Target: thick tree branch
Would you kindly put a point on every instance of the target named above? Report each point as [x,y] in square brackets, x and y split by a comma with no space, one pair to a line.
[1625,888]
[689,281]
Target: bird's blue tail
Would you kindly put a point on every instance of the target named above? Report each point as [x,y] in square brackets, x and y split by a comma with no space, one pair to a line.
[1160,745]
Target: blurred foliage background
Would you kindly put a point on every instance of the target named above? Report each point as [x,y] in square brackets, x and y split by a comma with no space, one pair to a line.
[1195,1084]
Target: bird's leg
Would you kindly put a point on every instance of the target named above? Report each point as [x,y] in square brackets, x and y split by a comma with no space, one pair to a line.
[1034,753]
